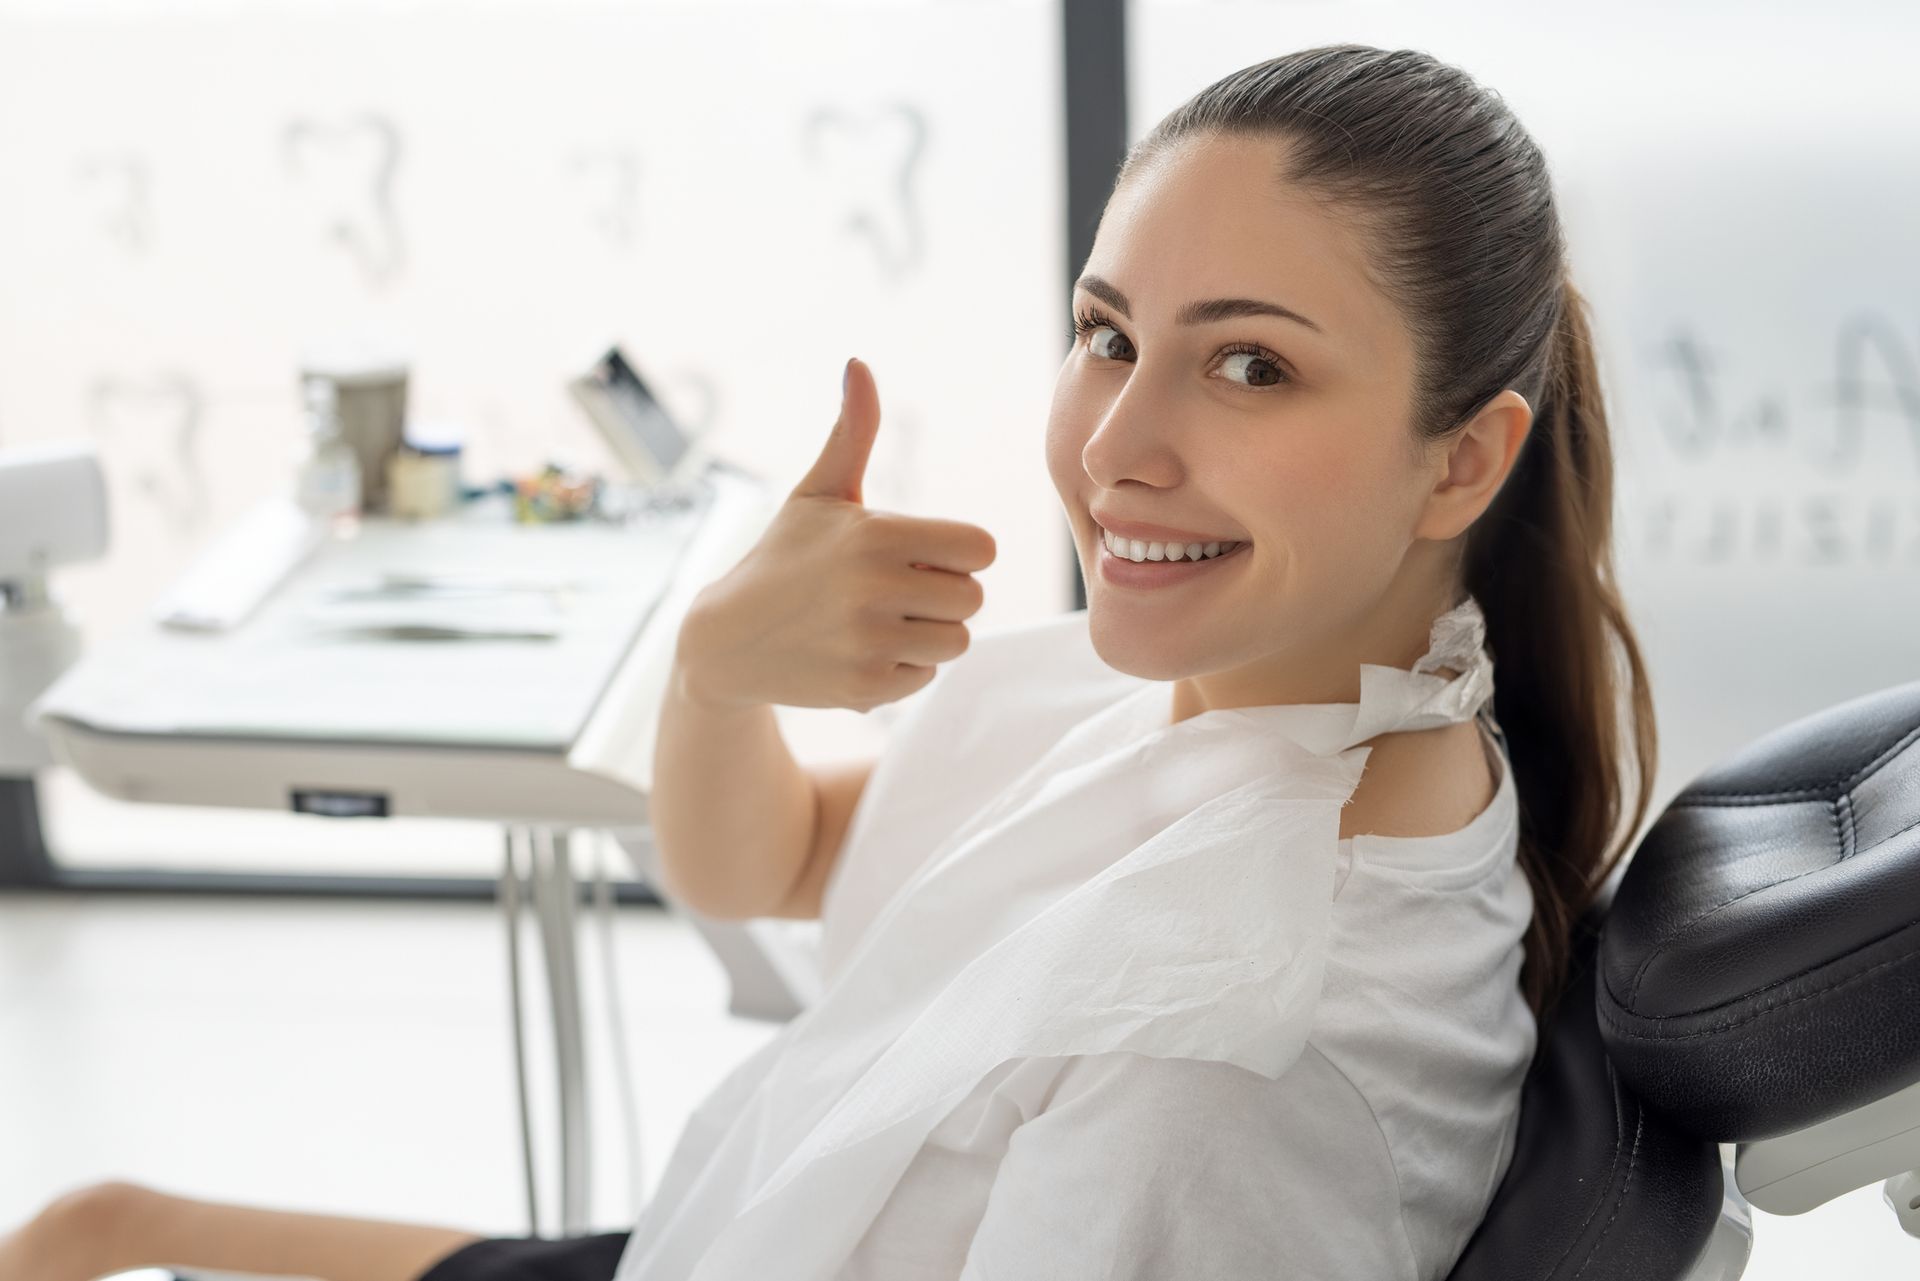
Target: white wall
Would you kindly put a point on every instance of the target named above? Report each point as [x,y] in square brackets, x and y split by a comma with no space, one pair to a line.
[743,195]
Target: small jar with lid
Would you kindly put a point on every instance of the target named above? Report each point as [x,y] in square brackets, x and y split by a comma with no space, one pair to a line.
[423,477]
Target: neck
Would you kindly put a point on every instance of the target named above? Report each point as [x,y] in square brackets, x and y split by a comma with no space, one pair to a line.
[1394,631]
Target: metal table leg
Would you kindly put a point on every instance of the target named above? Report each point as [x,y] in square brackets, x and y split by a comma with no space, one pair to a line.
[510,904]
[555,891]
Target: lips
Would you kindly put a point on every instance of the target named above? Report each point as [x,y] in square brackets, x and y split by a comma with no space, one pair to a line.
[1173,561]
[1141,531]
[1174,552]
[1125,573]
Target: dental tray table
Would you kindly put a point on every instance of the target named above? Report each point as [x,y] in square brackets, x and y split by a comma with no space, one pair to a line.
[469,667]
[313,704]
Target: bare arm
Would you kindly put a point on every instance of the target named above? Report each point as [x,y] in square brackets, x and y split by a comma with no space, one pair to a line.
[742,829]
[835,606]
[838,787]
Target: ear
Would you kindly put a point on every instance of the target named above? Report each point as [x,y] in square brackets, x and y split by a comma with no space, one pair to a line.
[1474,464]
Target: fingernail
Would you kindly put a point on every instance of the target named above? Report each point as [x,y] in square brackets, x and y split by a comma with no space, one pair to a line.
[845,374]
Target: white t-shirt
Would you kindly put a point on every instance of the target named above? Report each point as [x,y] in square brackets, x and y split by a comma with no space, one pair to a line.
[1373,1155]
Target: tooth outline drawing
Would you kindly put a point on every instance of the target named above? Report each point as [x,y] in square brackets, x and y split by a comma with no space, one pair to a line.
[128,221]
[616,214]
[378,248]
[176,486]
[895,260]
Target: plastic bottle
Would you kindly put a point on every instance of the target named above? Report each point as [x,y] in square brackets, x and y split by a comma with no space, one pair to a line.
[329,476]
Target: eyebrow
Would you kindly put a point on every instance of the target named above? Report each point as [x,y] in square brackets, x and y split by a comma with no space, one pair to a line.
[1204,312]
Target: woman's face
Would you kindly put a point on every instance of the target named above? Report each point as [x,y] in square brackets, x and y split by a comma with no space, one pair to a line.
[1280,418]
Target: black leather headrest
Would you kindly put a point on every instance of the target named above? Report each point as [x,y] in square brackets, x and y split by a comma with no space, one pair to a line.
[1760,966]
[1600,1187]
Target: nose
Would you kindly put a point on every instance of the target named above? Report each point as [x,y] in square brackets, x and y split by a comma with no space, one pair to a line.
[1131,441]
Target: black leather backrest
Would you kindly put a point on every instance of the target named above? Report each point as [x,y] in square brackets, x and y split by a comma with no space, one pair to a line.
[1760,966]
[1600,1187]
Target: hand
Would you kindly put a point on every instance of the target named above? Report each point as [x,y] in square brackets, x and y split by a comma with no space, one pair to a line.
[836,605]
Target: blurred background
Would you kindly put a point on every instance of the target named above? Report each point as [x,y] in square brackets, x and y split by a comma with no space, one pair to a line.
[740,196]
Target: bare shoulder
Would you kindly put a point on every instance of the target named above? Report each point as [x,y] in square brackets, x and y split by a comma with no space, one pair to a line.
[1422,783]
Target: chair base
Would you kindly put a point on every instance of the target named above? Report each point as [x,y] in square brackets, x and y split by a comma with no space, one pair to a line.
[1731,1244]
[1794,1172]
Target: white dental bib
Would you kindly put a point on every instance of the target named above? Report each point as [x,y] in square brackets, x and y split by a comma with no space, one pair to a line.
[1112,881]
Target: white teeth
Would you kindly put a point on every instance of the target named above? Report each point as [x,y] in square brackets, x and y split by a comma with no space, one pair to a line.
[1136,550]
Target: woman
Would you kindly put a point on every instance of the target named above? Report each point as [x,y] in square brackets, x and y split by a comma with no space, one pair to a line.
[1141,1011]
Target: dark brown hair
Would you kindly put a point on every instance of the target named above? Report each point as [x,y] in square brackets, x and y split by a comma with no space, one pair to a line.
[1462,234]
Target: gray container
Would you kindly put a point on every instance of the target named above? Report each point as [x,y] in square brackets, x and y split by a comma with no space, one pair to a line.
[371,388]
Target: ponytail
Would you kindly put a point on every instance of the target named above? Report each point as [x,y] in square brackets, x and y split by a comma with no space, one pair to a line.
[1570,687]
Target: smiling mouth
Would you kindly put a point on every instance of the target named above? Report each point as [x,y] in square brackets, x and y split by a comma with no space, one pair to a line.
[1141,552]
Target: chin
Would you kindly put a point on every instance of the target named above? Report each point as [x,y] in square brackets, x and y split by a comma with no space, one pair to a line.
[1137,655]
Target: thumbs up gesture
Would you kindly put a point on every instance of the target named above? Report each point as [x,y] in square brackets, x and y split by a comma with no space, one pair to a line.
[836,605]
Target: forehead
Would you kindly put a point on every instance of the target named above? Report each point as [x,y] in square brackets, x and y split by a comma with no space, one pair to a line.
[1211,219]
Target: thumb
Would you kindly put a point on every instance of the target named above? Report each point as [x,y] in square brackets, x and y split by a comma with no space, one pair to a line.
[842,464]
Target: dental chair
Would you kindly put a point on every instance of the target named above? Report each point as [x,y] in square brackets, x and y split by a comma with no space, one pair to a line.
[1752,980]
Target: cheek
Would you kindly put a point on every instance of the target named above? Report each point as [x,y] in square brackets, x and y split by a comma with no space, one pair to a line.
[1334,513]
[1070,420]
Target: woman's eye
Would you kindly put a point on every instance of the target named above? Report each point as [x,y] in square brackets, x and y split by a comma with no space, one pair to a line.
[1108,352]
[1262,371]
[1256,364]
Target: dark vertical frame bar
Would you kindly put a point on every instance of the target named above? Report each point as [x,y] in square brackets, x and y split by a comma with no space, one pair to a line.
[1094,48]
[23,851]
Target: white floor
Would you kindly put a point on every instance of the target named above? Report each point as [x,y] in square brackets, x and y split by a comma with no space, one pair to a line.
[355,1058]
[346,1057]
